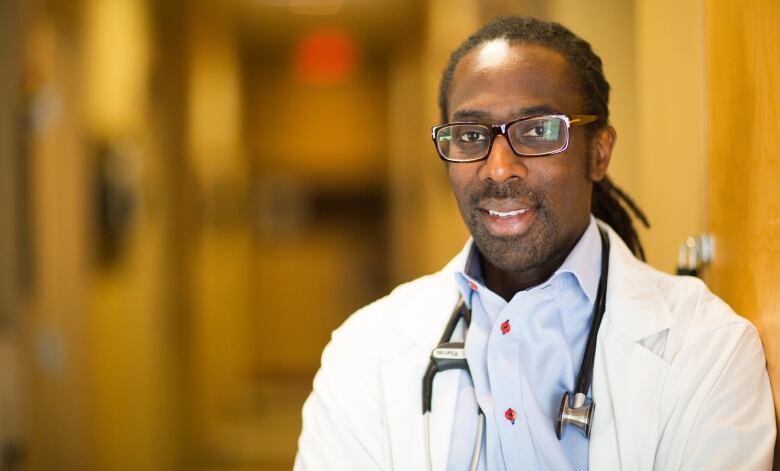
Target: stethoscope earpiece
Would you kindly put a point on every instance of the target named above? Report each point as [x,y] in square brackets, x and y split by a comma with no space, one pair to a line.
[578,414]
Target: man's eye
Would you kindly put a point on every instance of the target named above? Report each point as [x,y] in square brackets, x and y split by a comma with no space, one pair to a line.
[472,136]
[536,131]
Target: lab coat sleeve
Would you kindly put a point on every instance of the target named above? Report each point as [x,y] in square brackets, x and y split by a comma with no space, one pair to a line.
[342,421]
[735,426]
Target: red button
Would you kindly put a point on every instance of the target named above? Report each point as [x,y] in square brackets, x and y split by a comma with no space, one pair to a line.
[510,415]
[472,285]
[505,327]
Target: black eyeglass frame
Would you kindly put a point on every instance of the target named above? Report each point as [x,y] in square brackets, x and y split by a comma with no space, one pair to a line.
[501,129]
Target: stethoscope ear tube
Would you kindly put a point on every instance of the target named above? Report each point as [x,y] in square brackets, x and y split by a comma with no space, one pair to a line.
[427,389]
[586,369]
[436,364]
[447,356]
[579,413]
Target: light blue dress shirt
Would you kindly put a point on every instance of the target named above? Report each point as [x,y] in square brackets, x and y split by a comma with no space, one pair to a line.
[523,355]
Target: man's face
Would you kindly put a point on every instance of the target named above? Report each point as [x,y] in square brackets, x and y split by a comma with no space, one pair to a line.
[523,212]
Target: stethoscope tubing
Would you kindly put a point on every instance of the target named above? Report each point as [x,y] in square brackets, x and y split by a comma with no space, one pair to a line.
[585,376]
[477,443]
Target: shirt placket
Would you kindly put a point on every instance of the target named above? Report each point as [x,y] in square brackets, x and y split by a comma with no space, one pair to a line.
[504,375]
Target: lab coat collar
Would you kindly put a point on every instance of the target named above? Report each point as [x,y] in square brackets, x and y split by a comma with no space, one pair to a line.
[436,304]
[635,307]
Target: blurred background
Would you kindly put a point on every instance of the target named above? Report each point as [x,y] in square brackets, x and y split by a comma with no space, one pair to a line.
[193,194]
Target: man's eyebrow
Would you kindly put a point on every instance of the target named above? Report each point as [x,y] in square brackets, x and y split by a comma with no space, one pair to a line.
[536,111]
[478,115]
[470,115]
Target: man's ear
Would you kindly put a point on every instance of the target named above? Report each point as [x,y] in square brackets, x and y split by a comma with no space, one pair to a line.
[600,152]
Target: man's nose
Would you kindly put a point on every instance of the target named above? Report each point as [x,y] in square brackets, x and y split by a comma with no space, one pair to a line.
[502,163]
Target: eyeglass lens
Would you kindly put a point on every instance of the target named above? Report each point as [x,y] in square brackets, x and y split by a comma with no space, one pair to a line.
[534,136]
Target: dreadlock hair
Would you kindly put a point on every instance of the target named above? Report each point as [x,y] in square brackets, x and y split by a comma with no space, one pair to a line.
[608,202]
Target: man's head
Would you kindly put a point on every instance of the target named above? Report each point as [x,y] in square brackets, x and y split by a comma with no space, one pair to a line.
[526,213]
[584,64]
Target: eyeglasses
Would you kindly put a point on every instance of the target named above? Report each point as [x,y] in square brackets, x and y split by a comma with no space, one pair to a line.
[530,136]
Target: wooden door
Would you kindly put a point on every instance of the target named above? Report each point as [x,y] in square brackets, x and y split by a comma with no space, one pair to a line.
[744,101]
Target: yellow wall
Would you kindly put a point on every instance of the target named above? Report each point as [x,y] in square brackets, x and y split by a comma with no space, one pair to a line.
[219,246]
[54,324]
[329,135]
[132,387]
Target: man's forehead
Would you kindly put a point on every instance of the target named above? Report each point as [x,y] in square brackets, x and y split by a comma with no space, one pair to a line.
[497,54]
[505,79]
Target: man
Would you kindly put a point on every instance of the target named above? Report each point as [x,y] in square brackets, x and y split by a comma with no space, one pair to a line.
[679,380]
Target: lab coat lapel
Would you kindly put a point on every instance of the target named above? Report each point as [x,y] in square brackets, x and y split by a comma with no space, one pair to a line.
[413,335]
[403,402]
[628,377]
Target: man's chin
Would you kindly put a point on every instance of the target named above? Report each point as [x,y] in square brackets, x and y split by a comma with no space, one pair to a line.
[510,253]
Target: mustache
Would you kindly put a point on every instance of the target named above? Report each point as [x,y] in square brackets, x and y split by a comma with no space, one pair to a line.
[513,189]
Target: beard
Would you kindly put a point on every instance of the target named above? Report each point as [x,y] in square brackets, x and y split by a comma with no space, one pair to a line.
[513,253]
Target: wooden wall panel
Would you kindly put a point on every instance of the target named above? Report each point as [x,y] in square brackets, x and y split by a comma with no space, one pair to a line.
[744,101]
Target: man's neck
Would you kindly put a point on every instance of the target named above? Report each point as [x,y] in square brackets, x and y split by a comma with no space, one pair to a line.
[507,283]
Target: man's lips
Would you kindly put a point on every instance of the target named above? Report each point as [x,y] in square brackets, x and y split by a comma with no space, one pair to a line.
[507,217]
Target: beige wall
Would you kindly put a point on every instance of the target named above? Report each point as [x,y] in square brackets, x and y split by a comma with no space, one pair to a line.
[672,164]
[440,225]
[609,25]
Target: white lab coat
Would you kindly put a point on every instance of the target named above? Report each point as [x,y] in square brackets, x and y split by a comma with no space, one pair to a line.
[679,381]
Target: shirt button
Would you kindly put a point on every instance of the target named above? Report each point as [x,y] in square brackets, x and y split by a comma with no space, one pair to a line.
[505,327]
[510,415]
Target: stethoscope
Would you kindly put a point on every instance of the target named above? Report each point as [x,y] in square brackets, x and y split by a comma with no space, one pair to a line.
[450,355]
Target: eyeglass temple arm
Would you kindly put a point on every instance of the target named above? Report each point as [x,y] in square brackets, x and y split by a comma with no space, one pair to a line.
[582,119]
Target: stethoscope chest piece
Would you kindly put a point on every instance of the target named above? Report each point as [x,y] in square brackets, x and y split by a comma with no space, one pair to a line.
[578,414]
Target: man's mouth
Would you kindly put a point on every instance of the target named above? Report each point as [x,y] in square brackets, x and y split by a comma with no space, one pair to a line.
[505,218]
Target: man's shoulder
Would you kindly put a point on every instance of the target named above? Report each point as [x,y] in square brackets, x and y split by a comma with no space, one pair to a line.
[414,312]
[687,298]
[404,302]
[669,313]
[699,317]
[689,295]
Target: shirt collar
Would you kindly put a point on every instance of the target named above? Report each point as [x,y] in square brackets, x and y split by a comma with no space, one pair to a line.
[583,262]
